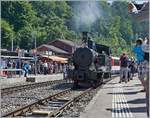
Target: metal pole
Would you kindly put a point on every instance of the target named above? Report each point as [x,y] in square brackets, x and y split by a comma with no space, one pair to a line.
[35,55]
[19,62]
[12,43]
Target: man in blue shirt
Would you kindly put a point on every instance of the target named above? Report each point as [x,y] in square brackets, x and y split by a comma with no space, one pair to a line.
[138,51]
[26,68]
[141,63]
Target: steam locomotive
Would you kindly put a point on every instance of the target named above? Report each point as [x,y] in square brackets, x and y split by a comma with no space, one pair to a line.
[92,63]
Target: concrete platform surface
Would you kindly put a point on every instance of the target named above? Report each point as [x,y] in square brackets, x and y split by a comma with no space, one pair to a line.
[38,78]
[117,100]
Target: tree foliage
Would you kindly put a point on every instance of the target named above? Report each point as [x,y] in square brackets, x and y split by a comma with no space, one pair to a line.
[52,20]
[7,33]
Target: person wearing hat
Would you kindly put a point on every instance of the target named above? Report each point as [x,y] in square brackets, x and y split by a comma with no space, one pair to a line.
[140,60]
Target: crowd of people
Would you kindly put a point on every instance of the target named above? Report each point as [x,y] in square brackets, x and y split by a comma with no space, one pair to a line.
[46,67]
[127,68]
[30,67]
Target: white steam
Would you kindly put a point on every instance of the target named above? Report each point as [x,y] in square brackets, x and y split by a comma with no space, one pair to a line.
[87,13]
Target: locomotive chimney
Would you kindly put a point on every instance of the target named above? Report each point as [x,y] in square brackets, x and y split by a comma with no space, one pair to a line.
[84,37]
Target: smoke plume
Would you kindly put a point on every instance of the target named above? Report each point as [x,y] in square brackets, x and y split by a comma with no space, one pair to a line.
[85,14]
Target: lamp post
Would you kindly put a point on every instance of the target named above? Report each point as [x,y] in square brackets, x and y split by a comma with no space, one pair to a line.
[19,55]
[35,51]
[12,43]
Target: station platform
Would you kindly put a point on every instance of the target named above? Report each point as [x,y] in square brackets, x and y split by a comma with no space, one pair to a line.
[117,100]
[7,82]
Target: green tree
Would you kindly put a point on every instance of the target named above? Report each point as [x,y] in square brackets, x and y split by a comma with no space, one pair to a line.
[25,40]
[126,30]
[59,19]
[18,13]
[7,34]
[53,18]
[114,28]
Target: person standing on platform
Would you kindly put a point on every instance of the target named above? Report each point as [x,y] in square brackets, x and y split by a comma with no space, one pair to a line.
[146,58]
[123,68]
[45,67]
[26,69]
[132,69]
[65,71]
[141,63]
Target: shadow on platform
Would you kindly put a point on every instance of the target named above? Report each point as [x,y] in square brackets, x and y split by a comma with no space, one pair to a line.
[132,109]
[111,83]
[137,84]
[109,87]
[126,93]
[129,89]
[137,101]
[138,109]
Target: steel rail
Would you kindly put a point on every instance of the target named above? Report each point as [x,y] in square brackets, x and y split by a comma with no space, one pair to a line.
[59,111]
[55,113]
[27,86]
[29,108]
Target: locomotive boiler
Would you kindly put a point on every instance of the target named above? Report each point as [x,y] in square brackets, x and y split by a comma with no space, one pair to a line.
[92,63]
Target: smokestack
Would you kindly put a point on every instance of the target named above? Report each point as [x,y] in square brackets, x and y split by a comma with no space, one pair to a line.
[84,37]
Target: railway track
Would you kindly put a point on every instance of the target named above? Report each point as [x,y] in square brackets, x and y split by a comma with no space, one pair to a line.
[10,90]
[35,105]
[52,106]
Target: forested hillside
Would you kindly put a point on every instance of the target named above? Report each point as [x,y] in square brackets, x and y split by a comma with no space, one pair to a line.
[109,24]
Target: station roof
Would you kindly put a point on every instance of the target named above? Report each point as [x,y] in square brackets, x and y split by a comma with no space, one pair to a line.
[68,42]
[51,48]
[56,58]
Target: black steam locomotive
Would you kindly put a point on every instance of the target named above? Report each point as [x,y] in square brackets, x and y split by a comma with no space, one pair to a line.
[92,63]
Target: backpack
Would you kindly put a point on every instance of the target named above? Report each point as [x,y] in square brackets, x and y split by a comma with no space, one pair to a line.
[124,62]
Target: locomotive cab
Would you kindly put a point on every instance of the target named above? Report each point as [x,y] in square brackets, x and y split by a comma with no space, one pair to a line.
[103,65]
